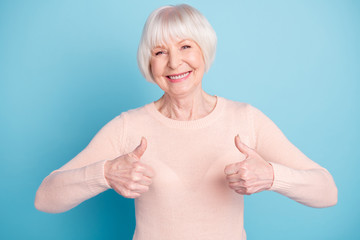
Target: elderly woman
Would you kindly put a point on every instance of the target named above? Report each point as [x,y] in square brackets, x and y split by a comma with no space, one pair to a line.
[188,158]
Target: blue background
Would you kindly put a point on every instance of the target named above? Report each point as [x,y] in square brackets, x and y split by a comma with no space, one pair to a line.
[68,67]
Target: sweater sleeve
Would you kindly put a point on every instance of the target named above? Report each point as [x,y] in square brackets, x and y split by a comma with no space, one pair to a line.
[82,177]
[295,175]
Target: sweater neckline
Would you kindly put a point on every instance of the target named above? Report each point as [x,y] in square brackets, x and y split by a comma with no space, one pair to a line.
[191,124]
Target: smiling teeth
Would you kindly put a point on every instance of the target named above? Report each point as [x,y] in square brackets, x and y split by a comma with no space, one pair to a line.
[179,76]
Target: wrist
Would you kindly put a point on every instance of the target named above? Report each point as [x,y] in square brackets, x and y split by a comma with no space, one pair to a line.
[271,175]
[107,167]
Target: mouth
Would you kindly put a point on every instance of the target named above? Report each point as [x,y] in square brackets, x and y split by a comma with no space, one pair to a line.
[178,77]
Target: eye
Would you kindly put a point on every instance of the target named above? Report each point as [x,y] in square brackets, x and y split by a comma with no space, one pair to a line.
[159,53]
[186,47]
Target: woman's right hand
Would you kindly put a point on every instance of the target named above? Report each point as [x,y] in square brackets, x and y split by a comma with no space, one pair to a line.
[128,175]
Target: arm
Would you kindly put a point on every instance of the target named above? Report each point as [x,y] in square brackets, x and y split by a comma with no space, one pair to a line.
[82,177]
[295,175]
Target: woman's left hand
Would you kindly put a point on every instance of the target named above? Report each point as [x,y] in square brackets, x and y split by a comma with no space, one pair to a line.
[251,175]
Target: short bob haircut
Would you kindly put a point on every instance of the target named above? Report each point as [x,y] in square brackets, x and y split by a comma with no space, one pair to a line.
[171,22]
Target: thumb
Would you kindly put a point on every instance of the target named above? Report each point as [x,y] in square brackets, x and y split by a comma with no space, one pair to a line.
[243,148]
[139,150]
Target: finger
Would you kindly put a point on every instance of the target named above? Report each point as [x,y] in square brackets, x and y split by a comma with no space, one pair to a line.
[144,169]
[139,167]
[149,172]
[145,181]
[234,178]
[141,189]
[139,150]
[134,195]
[243,183]
[126,193]
[138,177]
[136,187]
[231,169]
[243,148]
[236,186]
[130,194]
[243,191]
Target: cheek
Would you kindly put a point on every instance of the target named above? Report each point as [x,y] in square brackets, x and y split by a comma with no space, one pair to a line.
[155,68]
[197,60]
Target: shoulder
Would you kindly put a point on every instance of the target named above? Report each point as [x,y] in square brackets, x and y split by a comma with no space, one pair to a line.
[120,120]
[238,107]
[125,124]
[136,115]
[244,111]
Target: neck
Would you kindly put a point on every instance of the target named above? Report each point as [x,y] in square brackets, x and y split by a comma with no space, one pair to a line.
[186,108]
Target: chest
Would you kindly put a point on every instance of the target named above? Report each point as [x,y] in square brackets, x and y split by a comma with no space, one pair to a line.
[192,161]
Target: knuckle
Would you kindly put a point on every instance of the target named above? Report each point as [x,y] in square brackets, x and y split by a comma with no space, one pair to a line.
[246,184]
[233,178]
[240,191]
[131,186]
[248,191]
[126,193]
[148,182]
[244,175]
[137,166]
[246,165]
[130,194]
[134,176]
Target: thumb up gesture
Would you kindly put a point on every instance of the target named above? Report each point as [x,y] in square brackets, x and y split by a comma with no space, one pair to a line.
[251,175]
[128,175]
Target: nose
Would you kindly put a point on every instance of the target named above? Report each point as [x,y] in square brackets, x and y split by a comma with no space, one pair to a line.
[174,59]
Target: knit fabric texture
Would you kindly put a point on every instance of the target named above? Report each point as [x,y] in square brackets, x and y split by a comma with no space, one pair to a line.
[189,197]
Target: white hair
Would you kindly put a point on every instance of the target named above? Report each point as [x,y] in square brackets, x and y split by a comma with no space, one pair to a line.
[171,22]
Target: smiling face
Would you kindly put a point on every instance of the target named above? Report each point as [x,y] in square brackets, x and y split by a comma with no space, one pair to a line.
[178,67]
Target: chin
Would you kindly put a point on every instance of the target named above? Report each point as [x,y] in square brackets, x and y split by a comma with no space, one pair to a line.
[183,89]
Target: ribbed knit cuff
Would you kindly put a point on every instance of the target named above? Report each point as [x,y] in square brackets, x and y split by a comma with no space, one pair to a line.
[95,177]
[282,175]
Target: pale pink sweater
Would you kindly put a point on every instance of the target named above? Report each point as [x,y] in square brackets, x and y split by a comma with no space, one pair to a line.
[189,197]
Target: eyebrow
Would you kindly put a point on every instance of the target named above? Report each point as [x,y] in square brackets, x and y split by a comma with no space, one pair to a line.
[164,47]
[185,40]
[158,47]
[180,42]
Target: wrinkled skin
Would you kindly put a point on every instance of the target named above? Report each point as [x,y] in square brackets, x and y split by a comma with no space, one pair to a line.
[128,175]
[251,175]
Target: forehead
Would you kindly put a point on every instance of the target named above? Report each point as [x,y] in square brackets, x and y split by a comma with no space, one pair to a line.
[176,41]
[168,32]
